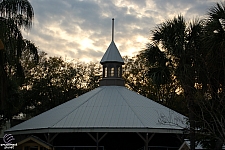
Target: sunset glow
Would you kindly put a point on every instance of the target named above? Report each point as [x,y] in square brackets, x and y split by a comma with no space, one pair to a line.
[81,30]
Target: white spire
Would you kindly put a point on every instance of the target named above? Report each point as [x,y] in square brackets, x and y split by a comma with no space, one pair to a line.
[112,29]
[112,54]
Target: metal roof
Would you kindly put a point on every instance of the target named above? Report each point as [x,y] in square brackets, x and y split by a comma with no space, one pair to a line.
[112,54]
[105,109]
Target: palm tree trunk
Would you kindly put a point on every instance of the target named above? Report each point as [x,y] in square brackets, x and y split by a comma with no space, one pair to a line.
[3,82]
[192,125]
[190,102]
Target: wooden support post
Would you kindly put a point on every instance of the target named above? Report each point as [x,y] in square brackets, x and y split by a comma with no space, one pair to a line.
[47,137]
[50,139]
[180,138]
[97,139]
[53,137]
[146,139]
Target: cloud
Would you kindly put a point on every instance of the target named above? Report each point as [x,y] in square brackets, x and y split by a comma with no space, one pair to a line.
[81,29]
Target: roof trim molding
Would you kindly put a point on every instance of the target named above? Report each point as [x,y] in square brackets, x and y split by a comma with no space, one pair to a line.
[70,130]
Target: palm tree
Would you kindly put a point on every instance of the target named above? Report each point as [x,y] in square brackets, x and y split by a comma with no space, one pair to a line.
[172,54]
[214,62]
[214,37]
[14,15]
[20,11]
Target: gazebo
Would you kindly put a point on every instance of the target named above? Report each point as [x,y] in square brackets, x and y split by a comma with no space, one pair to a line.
[108,117]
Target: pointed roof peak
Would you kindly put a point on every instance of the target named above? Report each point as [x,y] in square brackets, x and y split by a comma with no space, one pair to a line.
[112,54]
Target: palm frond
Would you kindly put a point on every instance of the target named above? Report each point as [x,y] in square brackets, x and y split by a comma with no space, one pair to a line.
[19,10]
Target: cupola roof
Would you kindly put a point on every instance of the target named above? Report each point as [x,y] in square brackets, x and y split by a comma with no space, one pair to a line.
[112,54]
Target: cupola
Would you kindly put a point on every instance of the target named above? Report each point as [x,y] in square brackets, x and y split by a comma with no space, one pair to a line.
[112,65]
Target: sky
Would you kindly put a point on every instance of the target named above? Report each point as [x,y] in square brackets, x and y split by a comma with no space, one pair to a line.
[81,30]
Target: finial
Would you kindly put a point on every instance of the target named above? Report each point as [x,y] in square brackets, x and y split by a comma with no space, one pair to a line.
[112,29]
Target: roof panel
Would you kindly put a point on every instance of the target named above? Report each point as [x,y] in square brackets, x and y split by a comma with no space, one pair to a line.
[106,107]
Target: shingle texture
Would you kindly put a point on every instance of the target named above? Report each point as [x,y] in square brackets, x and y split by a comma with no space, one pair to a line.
[105,108]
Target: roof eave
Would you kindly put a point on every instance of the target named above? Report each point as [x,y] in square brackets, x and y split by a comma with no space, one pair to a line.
[100,129]
[112,61]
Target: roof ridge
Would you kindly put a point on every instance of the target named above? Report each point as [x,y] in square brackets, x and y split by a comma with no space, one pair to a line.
[78,106]
[131,107]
